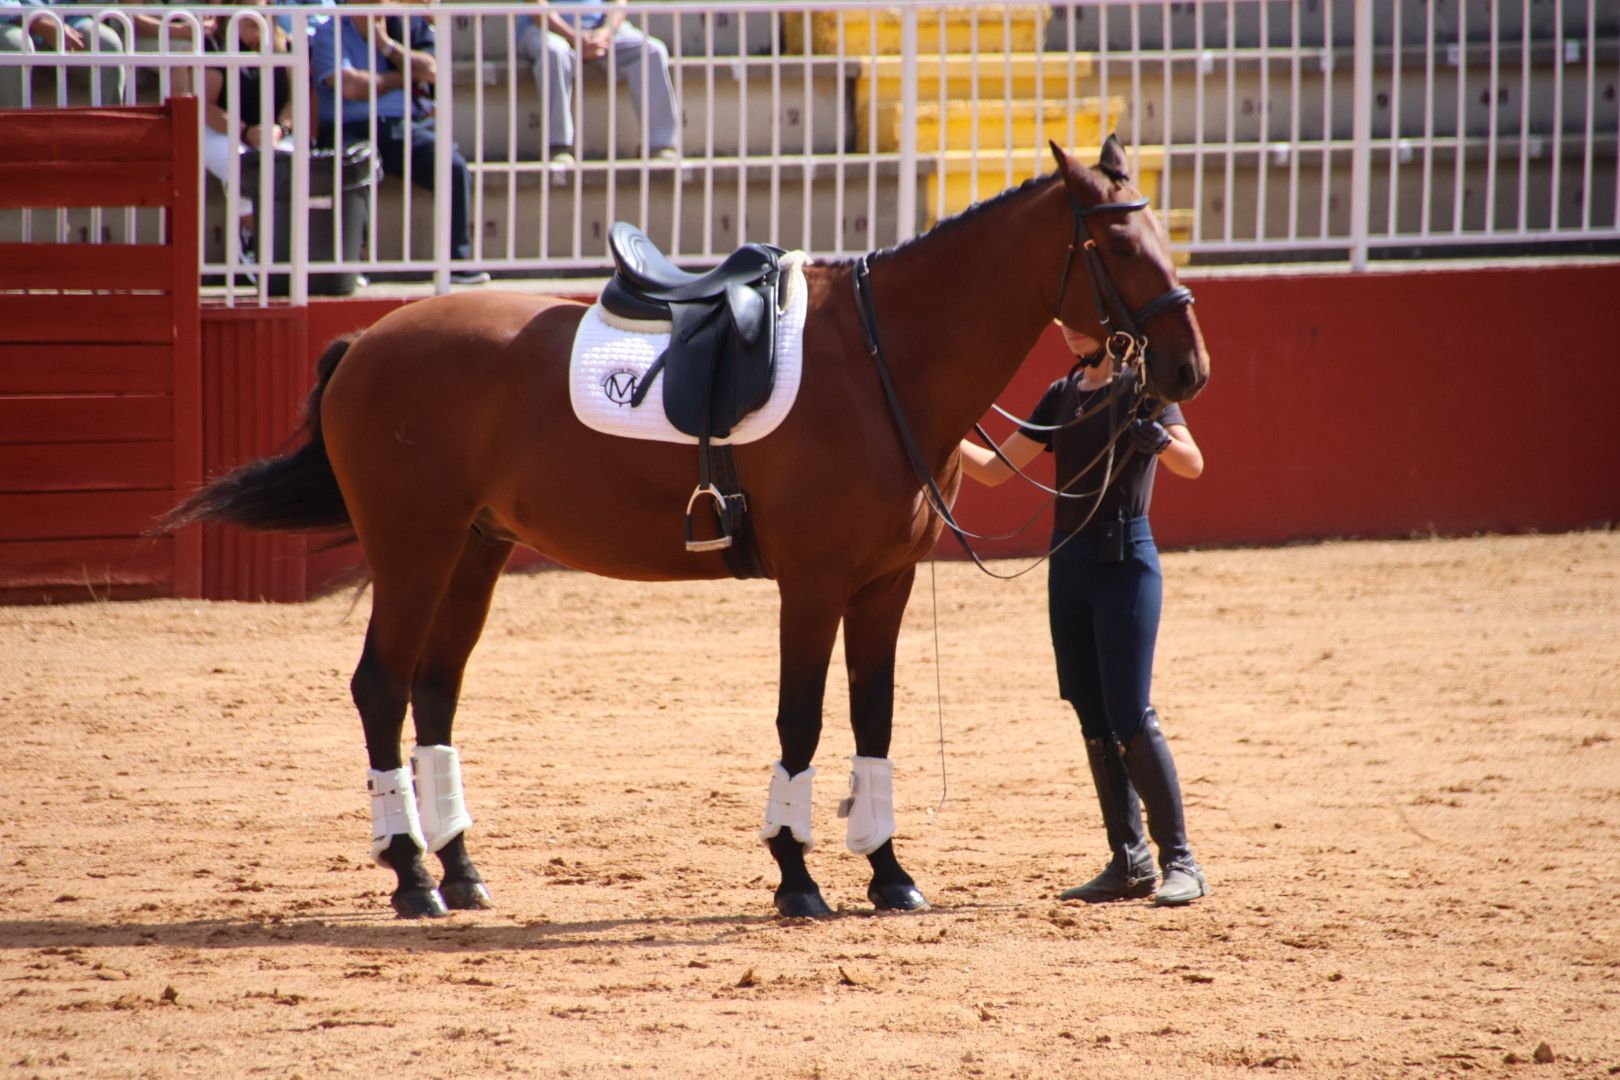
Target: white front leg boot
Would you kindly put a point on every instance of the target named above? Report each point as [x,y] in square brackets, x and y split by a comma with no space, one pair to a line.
[870,806]
[393,810]
[438,794]
[788,805]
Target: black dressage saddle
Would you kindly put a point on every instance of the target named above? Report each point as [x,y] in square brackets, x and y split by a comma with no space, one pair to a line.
[721,359]
[719,366]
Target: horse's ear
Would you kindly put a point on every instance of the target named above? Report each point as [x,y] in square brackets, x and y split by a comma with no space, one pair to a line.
[1112,162]
[1066,165]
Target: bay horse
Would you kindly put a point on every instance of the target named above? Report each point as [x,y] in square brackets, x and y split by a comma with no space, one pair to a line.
[444,434]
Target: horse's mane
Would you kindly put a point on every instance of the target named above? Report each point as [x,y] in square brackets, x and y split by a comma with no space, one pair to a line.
[972,212]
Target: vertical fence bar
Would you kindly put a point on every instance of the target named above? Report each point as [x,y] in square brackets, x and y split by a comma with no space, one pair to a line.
[1558,115]
[906,197]
[1493,92]
[1428,122]
[1391,223]
[1227,201]
[443,145]
[1461,126]
[298,275]
[1361,132]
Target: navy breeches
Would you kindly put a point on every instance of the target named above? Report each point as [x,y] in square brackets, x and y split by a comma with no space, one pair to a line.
[1105,621]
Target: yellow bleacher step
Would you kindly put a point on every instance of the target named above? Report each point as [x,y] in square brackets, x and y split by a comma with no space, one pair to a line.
[1026,76]
[969,177]
[998,124]
[992,28]
[1178,222]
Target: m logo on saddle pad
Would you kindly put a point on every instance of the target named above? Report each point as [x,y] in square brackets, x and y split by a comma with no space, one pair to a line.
[611,357]
[620,386]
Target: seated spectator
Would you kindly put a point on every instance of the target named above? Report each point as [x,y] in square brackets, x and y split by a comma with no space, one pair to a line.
[288,23]
[592,30]
[353,56]
[49,33]
[154,32]
[220,142]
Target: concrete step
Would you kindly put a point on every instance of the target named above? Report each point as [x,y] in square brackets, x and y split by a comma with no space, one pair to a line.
[986,28]
[577,207]
[994,126]
[1119,28]
[735,107]
[1257,188]
[963,177]
[727,33]
[1262,109]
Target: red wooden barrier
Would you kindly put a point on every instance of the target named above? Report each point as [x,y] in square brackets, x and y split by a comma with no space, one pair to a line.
[100,418]
[1381,405]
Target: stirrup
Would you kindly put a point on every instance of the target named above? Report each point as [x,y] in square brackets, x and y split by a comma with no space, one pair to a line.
[721,542]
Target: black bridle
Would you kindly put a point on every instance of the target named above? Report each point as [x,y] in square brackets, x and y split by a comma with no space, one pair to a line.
[1110,306]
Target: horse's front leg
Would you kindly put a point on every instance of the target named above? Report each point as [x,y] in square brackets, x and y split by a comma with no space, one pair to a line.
[810,615]
[871,630]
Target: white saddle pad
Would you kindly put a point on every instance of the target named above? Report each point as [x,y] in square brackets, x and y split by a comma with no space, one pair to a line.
[611,355]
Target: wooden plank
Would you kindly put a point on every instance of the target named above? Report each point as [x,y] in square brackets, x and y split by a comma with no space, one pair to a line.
[137,133]
[88,566]
[109,418]
[88,317]
[102,466]
[86,266]
[95,183]
[81,515]
[69,369]
[185,239]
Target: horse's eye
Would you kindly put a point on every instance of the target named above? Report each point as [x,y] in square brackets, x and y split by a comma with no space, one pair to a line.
[1121,244]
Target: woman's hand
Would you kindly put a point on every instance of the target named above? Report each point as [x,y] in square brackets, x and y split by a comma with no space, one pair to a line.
[254,136]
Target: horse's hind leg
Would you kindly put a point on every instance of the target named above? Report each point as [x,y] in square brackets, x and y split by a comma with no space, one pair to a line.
[435,689]
[871,630]
[410,574]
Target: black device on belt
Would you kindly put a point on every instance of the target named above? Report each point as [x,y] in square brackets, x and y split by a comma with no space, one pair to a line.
[1111,539]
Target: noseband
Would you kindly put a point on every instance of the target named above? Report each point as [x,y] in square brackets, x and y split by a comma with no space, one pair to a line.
[1111,307]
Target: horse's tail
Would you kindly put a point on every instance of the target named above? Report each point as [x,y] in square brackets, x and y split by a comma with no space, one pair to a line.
[295,491]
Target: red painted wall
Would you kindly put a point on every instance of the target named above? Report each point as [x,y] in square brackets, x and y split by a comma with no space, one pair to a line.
[1380,404]
[1375,405]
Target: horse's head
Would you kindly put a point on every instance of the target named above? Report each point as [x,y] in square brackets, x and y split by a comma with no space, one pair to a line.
[1123,251]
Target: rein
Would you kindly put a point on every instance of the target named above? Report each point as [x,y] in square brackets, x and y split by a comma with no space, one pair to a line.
[1109,305]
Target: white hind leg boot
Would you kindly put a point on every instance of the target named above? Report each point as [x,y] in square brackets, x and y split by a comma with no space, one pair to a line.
[870,806]
[438,794]
[788,805]
[393,810]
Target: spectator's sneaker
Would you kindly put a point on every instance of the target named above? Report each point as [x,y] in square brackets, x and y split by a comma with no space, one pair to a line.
[666,154]
[562,159]
[469,277]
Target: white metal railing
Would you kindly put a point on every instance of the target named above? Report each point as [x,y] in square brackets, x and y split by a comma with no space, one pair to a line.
[1263,129]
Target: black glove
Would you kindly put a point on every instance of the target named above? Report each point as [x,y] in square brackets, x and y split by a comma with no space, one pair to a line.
[1148,437]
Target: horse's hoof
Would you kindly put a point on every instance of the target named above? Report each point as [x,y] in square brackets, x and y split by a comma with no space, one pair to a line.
[419,904]
[896,896]
[466,895]
[802,905]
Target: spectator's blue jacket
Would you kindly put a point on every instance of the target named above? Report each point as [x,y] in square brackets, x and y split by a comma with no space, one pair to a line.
[340,45]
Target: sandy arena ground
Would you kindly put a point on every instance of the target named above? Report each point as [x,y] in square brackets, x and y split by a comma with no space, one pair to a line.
[1402,766]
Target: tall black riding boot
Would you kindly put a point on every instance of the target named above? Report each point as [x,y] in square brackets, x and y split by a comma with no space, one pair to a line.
[1129,874]
[1153,771]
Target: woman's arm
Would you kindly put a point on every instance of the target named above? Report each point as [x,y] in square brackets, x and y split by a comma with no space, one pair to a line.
[1182,456]
[980,463]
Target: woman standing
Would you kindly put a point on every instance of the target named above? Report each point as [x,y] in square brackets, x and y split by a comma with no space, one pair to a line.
[1104,591]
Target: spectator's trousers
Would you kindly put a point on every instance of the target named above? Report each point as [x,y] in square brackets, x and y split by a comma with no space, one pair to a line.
[392,145]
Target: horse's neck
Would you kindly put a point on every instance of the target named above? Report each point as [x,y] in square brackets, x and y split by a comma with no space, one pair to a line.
[958,311]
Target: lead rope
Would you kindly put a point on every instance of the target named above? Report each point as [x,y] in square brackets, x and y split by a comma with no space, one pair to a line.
[939,687]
